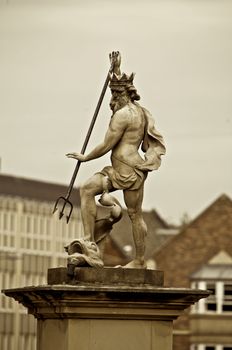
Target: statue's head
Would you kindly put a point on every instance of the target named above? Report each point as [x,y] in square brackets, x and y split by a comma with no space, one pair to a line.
[122,90]
[83,252]
[82,246]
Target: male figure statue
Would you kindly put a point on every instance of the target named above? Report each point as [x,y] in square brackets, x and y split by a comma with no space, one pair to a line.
[130,128]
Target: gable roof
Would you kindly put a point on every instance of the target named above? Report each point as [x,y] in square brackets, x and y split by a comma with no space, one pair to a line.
[215,209]
[221,258]
[34,189]
[216,273]
[219,267]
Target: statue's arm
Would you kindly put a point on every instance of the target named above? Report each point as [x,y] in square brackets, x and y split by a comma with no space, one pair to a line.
[113,135]
[111,139]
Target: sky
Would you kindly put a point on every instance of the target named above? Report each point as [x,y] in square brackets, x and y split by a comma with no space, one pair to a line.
[53,63]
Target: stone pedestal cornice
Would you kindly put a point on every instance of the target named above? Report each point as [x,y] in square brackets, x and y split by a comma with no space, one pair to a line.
[113,300]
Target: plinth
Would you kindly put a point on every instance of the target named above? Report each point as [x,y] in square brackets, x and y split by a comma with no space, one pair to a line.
[105,309]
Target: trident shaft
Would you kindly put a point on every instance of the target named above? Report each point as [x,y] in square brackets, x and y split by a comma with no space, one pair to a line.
[64,201]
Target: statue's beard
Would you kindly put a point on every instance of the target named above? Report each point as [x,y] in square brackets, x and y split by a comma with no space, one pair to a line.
[116,105]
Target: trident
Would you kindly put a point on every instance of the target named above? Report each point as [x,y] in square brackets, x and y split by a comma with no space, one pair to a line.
[64,200]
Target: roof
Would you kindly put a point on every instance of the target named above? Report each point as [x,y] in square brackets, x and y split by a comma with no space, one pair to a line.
[34,189]
[197,243]
[213,272]
[221,258]
[213,209]
[122,233]
[219,267]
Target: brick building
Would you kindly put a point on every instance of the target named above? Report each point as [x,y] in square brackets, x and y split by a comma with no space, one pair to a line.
[200,256]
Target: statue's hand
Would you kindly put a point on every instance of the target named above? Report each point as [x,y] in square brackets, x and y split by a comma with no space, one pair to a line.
[79,156]
[115,60]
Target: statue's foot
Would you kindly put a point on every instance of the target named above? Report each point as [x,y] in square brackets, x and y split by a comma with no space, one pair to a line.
[135,264]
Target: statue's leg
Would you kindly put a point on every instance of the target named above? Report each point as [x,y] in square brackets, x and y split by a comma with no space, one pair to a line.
[92,187]
[133,201]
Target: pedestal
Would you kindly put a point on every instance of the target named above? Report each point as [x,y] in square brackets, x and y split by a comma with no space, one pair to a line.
[105,309]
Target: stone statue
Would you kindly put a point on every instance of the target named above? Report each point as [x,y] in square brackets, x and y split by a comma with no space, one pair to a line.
[82,252]
[86,253]
[131,127]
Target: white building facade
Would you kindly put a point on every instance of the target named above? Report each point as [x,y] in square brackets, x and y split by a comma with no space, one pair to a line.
[31,241]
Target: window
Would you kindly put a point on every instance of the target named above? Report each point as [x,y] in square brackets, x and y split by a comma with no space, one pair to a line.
[41,244]
[28,243]
[35,244]
[210,347]
[5,240]
[193,347]
[5,221]
[211,302]
[23,245]
[48,245]
[29,224]
[227,300]
[41,225]
[220,301]
[12,222]
[12,241]
[36,225]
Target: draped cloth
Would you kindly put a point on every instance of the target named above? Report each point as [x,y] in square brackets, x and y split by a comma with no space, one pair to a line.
[132,181]
[153,144]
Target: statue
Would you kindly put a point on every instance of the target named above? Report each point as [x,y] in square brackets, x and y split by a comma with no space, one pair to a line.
[131,127]
[82,252]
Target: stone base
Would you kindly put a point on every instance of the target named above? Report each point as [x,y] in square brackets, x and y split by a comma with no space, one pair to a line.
[76,334]
[105,309]
[106,276]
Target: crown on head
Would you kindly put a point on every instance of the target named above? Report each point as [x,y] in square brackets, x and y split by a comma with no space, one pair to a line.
[121,81]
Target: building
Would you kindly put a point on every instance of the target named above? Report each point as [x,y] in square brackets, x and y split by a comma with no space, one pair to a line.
[31,241]
[200,256]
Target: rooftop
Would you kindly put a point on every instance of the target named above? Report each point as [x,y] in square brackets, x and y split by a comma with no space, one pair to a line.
[35,189]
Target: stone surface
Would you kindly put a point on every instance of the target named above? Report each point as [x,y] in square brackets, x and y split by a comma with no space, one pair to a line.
[107,302]
[105,335]
[105,309]
[131,130]
[106,276]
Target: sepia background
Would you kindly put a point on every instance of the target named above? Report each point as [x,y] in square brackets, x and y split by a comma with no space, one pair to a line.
[54,60]
[53,63]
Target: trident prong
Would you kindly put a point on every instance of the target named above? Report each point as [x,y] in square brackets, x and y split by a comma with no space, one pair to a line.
[65,202]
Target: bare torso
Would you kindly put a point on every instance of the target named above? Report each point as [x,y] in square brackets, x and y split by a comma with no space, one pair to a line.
[125,153]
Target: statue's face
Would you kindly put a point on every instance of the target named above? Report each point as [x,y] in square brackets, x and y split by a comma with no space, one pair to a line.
[82,246]
[118,100]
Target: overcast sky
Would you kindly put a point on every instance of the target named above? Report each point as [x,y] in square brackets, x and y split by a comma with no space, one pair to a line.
[54,60]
